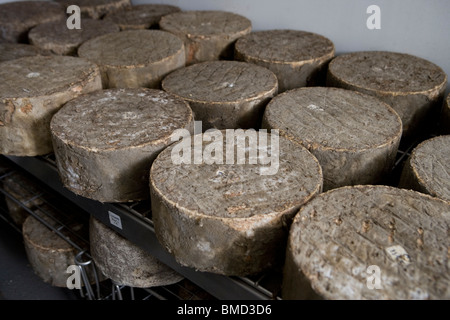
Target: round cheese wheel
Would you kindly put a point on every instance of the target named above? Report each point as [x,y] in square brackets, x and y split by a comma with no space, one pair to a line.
[229,213]
[23,190]
[369,242]
[48,253]
[56,37]
[106,141]
[207,35]
[428,168]
[11,51]
[96,9]
[144,16]
[134,58]
[445,116]
[224,94]
[32,89]
[298,58]
[354,136]
[413,86]
[124,262]
[18,17]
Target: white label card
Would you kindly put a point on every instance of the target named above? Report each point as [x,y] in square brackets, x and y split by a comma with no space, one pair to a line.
[115,219]
[397,253]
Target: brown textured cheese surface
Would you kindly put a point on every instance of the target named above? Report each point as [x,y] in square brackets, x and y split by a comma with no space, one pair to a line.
[32,89]
[142,16]
[48,253]
[229,218]
[11,51]
[354,136]
[445,116]
[134,58]
[56,37]
[105,142]
[428,168]
[339,234]
[96,9]
[208,35]
[224,94]
[124,262]
[298,58]
[413,86]
[18,17]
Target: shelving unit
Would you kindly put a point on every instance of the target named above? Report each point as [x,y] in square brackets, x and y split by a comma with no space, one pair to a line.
[133,221]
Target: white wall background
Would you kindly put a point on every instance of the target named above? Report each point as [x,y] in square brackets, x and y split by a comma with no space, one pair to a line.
[418,27]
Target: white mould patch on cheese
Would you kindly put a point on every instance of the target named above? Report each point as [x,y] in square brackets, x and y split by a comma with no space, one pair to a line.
[33,75]
[314,107]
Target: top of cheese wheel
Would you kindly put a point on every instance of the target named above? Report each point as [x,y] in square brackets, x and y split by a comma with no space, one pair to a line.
[285,46]
[120,118]
[387,72]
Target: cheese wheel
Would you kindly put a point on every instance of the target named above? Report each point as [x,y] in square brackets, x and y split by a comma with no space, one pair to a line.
[207,35]
[369,242]
[144,16]
[445,116]
[11,51]
[56,37]
[106,141]
[134,58]
[428,168]
[32,89]
[124,262]
[224,94]
[230,216]
[23,190]
[18,17]
[48,253]
[96,9]
[413,86]
[297,58]
[354,136]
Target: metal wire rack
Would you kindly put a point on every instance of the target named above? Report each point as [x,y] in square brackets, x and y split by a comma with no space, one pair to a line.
[137,216]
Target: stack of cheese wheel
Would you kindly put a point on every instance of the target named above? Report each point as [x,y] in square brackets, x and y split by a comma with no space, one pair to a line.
[11,51]
[134,58]
[57,38]
[207,35]
[354,136]
[124,262]
[414,87]
[298,58]
[445,116]
[96,9]
[428,168]
[32,89]
[48,253]
[24,190]
[105,142]
[224,94]
[17,18]
[144,16]
[228,211]
[369,242]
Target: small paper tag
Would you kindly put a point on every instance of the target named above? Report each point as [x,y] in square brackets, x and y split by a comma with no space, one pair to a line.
[115,219]
[398,254]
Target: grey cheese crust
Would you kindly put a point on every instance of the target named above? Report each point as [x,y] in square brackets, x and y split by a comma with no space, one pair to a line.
[354,136]
[97,9]
[229,218]
[413,86]
[32,90]
[338,235]
[297,58]
[134,58]
[207,35]
[124,262]
[105,142]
